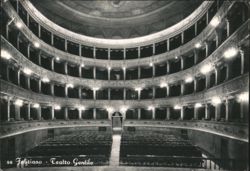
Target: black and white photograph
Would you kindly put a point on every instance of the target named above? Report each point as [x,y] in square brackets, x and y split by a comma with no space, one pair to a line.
[124,85]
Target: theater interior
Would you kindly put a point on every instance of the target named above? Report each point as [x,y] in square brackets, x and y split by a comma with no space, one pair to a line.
[117,85]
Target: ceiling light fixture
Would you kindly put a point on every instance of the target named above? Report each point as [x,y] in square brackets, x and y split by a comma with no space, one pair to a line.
[57,107]
[231,52]
[19,102]
[216,100]
[19,25]
[198,105]
[197,45]
[36,44]
[243,97]
[45,80]
[215,22]
[177,107]
[189,79]
[206,69]
[5,54]
[27,71]
[36,105]
[163,85]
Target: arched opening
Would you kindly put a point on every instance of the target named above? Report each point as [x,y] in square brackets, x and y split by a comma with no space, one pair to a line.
[117,121]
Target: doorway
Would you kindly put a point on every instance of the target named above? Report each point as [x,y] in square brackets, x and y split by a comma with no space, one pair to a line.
[117,121]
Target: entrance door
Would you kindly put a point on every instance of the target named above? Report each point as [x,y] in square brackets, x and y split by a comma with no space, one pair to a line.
[117,121]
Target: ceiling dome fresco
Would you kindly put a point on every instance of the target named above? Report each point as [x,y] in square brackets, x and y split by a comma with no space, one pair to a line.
[116,19]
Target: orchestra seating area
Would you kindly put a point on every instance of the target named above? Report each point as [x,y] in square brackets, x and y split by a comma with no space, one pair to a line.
[143,148]
[93,145]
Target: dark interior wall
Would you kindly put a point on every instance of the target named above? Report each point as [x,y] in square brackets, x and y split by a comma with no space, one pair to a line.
[24,142]
[75,130]
[219,147]
[15,146]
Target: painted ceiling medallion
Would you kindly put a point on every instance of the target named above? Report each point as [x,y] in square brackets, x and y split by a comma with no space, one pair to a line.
[117,3]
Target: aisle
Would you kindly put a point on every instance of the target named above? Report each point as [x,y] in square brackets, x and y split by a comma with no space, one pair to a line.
[115,151]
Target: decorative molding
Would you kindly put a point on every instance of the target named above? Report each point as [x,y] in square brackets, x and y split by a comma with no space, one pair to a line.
[217,55]
[115,43]
[229,88]
[238,131]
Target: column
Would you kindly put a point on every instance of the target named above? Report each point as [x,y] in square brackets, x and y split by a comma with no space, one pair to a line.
[79,92]
[182,62]
[80,50]
[207,45]
[28,20]
[217,76]
[109,70]
[182,37]
[168,90]
[168,45]
[66,117]
[124,73]
[8,109]
[109,98]
[228,105]
[52,113]
[66,68]
[66,90]
[153,70]
[39,85]
[217,112]
[94,94]
[139,72]
[242,61]
[39,113]
[53,64]
[80,71]
[39,59]
[18,77]
[39,30]
[195,85]
[139,113]
[153,113]
[229,70]
[27,82]
[207,81]
[52,39]
[139,52]
[153,93]
[182,113]
[28,111]
[195,29]
[207,18]
[17,113]
[196,113]
[207,111]
[124,94]
[7,73]
[182,87]
[228,27]
[108,53]
[124,53]
[218,37]
[94,72]
[18,38]
[168,113]
[79,113]
[139,94]
[168,67]
[52,89]
[94,113]
[196,57]
[94,52]
[28,50]
[154,49]
[66,45]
